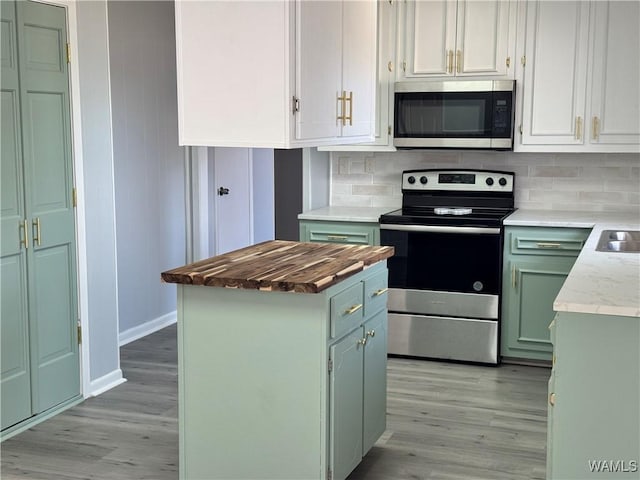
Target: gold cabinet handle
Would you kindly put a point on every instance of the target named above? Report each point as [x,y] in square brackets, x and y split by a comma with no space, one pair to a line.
[578,128]
[459,61]
[362,341]
[390,66]
[552,399]
[514,277]
[449,54]
[36,238]
[377,293]
[23,232]
[548,245]
[371,333]
[337,237]
[353,309]
[595,130]
[350,100]
[342,99]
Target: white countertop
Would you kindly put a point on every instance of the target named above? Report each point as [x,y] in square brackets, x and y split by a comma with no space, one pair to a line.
[606,283]
[346,214]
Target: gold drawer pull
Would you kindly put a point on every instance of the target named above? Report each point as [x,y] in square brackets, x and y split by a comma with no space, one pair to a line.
[353,309]
[371,333]
[548,245]
[362,341]
[459,61]
[552,399]
[337,237]
[377,293]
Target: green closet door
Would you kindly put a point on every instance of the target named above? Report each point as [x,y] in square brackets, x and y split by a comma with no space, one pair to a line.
[15,386]
[46,143]
[40,361]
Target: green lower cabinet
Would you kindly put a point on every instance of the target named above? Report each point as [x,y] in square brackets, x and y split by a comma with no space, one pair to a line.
[358,404]
[535,265]
[362,233]
[594,398]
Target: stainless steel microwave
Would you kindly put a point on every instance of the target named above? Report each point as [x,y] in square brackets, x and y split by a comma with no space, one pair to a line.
[471,114]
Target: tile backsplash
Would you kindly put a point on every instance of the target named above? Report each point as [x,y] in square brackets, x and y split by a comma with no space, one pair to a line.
[548,181]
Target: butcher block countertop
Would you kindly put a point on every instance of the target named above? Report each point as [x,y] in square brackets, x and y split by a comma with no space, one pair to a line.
[282,266]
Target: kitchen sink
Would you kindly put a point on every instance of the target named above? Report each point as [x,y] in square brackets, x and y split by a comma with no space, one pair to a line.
[619,241]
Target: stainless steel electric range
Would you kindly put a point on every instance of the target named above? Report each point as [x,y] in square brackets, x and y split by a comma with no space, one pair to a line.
[445,277]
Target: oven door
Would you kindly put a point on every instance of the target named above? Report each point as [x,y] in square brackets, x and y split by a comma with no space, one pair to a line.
[444,270]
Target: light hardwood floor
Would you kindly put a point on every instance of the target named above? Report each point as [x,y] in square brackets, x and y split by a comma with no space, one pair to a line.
[444,421]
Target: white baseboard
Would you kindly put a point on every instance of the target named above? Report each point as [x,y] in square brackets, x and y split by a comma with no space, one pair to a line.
[147,328]
[104,383]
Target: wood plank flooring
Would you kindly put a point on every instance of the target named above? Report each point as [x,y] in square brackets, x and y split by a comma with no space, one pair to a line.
[445,421]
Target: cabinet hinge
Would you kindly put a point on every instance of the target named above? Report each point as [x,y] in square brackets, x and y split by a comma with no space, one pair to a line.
[68,53]
[329,474]
[389,130]
[523,60]
[74,197]
[296,105]
[79,333]
[330,366]
[508,62]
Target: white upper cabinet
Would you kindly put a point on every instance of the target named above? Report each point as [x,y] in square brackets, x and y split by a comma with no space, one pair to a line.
[457,38]
[614,111]
[580,77]
[275,74]
[386,45]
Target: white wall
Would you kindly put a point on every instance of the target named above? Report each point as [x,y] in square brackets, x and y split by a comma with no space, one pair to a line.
[263,195]
[98,199]
[148,163]
[567,181]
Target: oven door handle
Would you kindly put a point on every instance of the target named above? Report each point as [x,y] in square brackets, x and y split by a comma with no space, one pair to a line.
[441,229]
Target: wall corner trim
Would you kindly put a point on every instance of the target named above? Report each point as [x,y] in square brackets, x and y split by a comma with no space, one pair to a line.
[147,328]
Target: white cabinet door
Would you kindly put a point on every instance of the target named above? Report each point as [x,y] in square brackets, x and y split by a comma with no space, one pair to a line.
[555,74]
[430,37]
[318,68]
[485,32]
[615,92]
[358,67]
[458,38]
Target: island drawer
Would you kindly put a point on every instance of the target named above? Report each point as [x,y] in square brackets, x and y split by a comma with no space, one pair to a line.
[375,293]
[346,310]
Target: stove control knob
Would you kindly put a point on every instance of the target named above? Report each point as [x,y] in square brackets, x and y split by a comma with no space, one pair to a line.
[489,181]
[423,180]
[411,179]
[502,181]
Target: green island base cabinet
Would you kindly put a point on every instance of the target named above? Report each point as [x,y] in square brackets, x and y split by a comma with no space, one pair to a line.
[536,263]
[594,398]
[364,233]
[281,385]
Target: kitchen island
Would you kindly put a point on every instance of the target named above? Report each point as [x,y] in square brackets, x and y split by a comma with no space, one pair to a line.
[281,360]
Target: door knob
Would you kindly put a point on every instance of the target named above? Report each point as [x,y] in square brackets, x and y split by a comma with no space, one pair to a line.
[223,191]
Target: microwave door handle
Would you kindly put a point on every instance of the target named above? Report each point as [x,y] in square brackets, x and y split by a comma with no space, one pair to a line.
[441,229]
